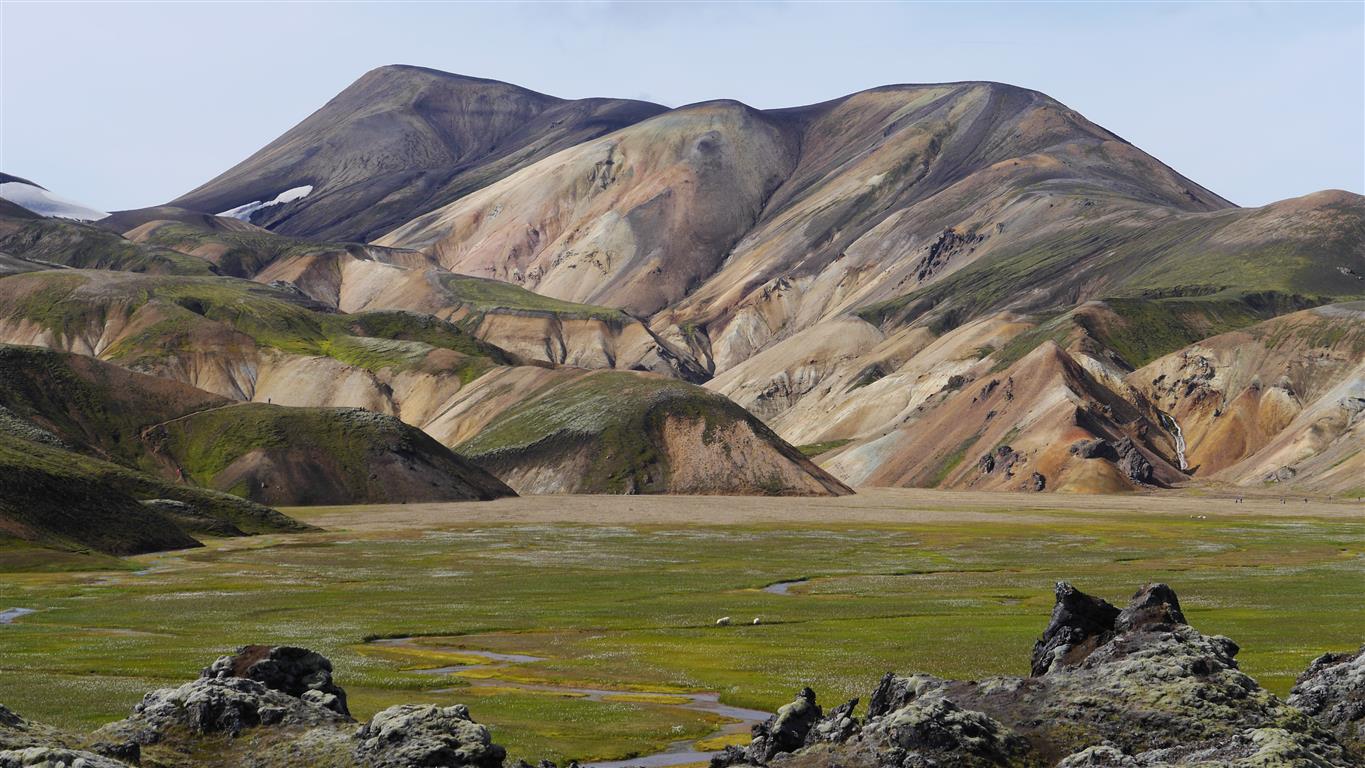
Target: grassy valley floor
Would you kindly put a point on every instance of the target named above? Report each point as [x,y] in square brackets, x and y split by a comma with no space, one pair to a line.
[576,626]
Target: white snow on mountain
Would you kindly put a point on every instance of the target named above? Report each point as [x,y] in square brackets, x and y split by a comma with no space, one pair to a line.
[42,202]
[244,212]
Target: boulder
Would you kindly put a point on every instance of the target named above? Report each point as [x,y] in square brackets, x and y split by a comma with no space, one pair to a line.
[55,757]
[1155,605]
[939,732]
[296,671]
[786,730]
[1332,691]
[216,705]
[424,735]
[8,719]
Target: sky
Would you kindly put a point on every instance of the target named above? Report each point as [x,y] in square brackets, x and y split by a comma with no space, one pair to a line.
[124,105]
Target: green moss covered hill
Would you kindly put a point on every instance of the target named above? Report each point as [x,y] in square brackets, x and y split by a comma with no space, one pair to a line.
[84,444]
[300,456]
[619,432]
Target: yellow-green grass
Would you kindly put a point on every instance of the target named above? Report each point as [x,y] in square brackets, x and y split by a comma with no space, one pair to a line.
[633,609]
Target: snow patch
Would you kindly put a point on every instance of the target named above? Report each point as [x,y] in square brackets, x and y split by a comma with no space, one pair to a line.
[244,212]
[45,203]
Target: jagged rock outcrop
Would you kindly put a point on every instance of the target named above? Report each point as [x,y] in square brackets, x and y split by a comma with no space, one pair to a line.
[838,725]
[1078,625]
[786,731]
[1123,452]
[1132,463]
[1332,691]
[1110,687]
[422,735]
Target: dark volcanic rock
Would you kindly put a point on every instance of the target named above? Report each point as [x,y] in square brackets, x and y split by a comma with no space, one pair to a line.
[786,730]
[260,685]
[1037,482]
[1136,688]
[837,725]
[216,705]
[1098,448]
[1155,605]
[1332,690]
[1079,624]
[1124,453]
[1131,462]
[423,735]
[285,668]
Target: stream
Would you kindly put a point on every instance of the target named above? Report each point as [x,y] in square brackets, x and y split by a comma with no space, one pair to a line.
[783,587]
[1173,427]
[677,753]
[8,615]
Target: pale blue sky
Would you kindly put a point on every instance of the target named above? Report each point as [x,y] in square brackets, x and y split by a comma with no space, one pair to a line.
[125,105]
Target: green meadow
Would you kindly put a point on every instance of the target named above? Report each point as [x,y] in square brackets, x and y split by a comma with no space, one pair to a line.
[633,608]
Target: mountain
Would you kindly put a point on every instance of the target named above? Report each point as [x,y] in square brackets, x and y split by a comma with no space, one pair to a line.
[952,285]
[401,141]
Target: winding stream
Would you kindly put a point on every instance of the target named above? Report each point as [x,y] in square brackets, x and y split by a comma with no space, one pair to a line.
[677,753]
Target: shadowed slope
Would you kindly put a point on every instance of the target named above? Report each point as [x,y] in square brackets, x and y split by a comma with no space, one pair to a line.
[400,141]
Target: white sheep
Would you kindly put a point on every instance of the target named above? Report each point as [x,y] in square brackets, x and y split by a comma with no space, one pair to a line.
[723,621]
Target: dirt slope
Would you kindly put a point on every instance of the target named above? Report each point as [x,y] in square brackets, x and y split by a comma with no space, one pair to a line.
[1273,401]
[1006,430]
